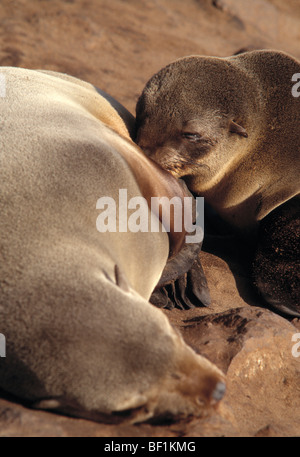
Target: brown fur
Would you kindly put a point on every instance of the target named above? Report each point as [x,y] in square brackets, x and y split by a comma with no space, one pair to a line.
[242,177]
[230,128]
[81,336]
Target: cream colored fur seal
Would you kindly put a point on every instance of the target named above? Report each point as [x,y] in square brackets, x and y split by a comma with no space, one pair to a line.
[81,336]
[230,127]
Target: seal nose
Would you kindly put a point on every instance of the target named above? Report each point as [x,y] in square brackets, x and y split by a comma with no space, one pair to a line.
[219,391]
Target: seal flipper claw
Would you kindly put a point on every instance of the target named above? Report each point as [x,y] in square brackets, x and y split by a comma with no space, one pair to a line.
[188,291]
[183,289]
[199,284]
[180,264]
[160,298]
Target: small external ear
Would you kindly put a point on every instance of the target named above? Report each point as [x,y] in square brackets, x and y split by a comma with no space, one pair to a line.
[236,128]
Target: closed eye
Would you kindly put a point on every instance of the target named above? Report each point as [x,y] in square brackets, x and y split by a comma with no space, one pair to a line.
[192,137]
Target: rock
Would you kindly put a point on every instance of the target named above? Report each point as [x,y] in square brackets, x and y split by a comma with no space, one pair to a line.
[254,348]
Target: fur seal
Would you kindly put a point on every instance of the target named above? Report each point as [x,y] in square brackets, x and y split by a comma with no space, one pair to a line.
[81,336]
[230,128]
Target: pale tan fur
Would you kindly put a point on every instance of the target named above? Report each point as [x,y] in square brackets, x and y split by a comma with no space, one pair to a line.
[243,178]
[81,336]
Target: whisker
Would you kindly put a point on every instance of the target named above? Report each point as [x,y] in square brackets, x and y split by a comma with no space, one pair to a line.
[183,161]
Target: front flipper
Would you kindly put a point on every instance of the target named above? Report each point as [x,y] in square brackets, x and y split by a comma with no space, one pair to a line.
[276,263]
[183,283]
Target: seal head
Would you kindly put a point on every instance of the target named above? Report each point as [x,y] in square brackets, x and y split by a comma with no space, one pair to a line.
[219,123]
[229,127]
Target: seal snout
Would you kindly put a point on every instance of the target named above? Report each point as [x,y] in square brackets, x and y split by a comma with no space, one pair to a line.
[219,391]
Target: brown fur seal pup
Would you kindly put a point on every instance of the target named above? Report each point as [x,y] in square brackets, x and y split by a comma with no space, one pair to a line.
[81,336]
[230,128]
